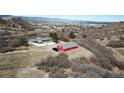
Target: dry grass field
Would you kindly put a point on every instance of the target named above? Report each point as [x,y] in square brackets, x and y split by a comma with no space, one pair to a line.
[23,63]
[15,64]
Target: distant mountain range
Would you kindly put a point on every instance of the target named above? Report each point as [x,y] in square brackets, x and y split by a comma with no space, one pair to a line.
[38,19]
[58,20]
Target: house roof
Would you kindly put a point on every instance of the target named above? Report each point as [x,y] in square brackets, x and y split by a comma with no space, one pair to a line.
[39,39]
[69,45]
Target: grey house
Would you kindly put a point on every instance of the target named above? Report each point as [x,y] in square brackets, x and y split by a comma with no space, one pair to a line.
[40,41]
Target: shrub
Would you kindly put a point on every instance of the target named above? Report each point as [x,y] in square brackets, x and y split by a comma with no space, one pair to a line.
[122,38]
[116,44]
[93,60]
[120,75]
[84,36]
[6,49]
[50,34]
[15,43]
[58,73]
[119,64]
[55,65]
[93,71]
[10,41]
[76,75]
[104,56]
[3,43]
[5,33]
[61,61]
[78,67]
[64,38]
[92,74]
[90,71]
[54,36]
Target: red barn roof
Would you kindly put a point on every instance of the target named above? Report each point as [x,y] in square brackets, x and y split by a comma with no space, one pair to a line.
[67,46]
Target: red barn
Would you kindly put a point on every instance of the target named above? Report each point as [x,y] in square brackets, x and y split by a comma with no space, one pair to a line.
[67,46]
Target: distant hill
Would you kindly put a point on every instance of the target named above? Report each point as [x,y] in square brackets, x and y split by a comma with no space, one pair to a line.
[13,21]
[1,16]
[22,23]
[39,19]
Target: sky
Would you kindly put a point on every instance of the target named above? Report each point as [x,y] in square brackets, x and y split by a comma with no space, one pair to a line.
[113,8]
[108,18]
[62,7]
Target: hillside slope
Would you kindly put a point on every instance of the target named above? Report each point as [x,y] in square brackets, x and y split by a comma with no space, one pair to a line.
[15,22]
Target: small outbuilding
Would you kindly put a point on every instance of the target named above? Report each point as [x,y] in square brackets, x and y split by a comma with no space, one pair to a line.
[67,46]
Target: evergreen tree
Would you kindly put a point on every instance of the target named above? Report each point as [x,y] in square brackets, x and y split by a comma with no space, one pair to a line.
[50,34]
[23,42]
[54,36]
[72,36]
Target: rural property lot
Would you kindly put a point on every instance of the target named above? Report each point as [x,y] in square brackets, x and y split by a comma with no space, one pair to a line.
[22,63]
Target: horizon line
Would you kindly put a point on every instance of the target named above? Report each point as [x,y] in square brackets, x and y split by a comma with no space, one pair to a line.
[92,18]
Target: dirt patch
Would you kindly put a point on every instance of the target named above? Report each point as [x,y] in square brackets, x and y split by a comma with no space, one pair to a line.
[120,50]
[79,52]
[118,53]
